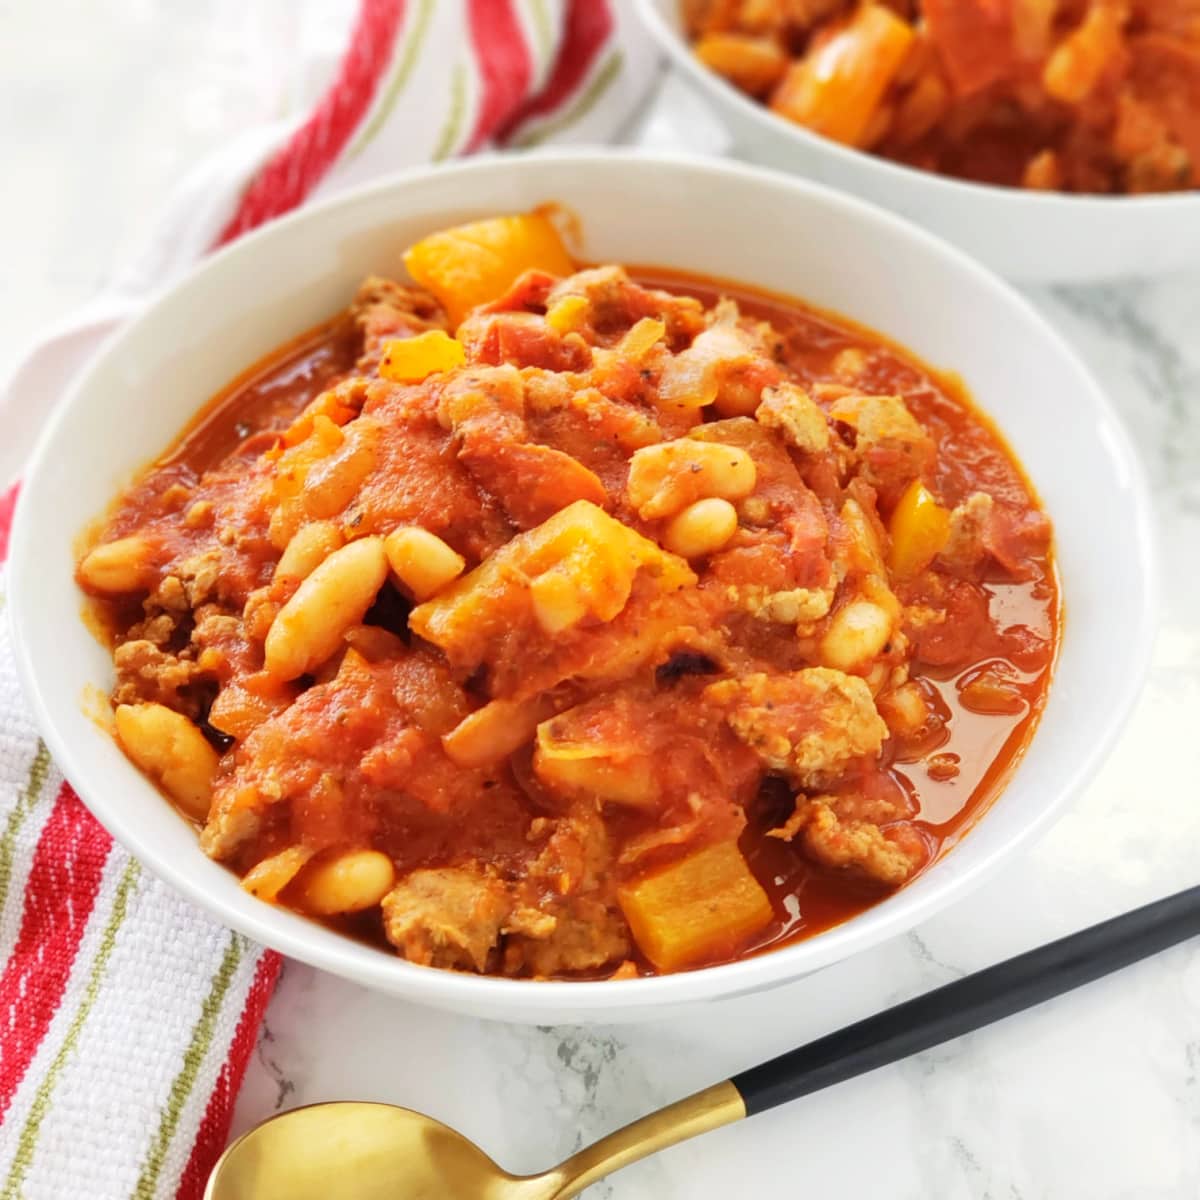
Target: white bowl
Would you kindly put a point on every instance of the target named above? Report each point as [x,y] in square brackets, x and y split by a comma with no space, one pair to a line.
[145,384]
[1035,237]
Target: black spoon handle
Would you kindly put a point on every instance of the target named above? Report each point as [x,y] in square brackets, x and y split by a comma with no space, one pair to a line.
[970,1003]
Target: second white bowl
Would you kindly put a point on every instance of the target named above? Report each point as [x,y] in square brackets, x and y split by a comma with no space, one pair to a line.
[1034,237]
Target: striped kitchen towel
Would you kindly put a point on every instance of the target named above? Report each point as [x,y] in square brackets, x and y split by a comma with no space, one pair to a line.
[127,1016]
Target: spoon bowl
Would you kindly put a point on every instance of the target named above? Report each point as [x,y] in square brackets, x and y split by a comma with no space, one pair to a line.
[363,1151]
[368,1151]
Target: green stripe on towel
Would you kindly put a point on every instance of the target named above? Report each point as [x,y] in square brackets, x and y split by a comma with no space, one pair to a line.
[600,84]
[399,80]
[193,1059]
[452,129]
[26,803]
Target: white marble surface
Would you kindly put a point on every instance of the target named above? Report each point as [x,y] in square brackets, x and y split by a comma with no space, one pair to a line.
[1094,1097]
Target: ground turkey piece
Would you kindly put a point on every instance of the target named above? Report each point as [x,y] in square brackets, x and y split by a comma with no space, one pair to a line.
[201,577]
[888,856]
[806,723]
[146,673]
[576,856]
[447,917]
[583,934]
[964,546]
[980,528]
[892,447]
[187,585]
[790,411]
[572,922]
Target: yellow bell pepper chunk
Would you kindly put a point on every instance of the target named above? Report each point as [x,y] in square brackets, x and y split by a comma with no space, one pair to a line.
[566,315]
[919,529]
[327,404]
[273,874]
[570,769]
[472,264]
[573,756]
[411,359]
[642,336]
[591,559]
[837,88]
[705,905]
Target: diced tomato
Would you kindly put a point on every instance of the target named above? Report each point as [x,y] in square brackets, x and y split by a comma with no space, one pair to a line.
[962,635]
[838,86]
[522,339]
[527,294]
[974,39]
[808,533]
[1014,536]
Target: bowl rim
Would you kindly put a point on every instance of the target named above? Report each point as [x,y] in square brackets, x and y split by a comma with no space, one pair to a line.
[452,989]
[1152,204]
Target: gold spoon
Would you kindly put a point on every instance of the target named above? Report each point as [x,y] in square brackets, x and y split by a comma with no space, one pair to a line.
[380,1152]
[356,1151]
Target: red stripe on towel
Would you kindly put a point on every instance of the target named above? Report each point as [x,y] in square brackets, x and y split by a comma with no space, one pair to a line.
[8,505]
[214,1127]
[298,166]
[589,25]
[59,897]
[505,66]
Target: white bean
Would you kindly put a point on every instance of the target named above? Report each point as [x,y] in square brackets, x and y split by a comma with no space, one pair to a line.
[333,482]
[557,602]
[858,631]
[172,751]
[701,528]
[423,563]
[349,882]
[493,732]
[310,546]
[122,566]
[336,595]
[667,477]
